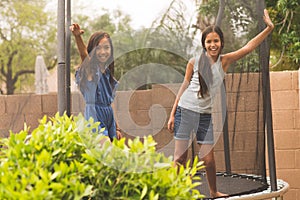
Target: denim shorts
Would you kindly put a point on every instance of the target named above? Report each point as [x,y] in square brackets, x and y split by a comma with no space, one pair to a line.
[188,122]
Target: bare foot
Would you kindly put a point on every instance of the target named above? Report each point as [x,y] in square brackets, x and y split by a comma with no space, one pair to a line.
[218,194]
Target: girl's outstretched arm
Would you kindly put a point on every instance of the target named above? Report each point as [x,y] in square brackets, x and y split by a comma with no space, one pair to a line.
[77,32]
[231,57]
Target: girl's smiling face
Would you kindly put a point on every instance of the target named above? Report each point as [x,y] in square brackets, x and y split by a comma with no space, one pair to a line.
[213,45]
[103,51]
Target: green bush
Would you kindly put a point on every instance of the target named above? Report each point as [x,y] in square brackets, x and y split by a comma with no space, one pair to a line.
[63,159]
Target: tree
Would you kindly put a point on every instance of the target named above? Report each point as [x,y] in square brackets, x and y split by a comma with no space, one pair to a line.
[25,32]
[134,48]
[168,42]
[240,17]
[285,46]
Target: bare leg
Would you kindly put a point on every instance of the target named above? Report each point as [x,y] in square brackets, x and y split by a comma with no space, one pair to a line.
[104,139]
[180,152]
[210,167]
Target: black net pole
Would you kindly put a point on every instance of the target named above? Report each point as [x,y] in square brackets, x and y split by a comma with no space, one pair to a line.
[61,100]
[220,15]
[264,55]
[226,141]
[68,59]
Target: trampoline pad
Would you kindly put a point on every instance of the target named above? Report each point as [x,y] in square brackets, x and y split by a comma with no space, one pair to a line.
[233,184]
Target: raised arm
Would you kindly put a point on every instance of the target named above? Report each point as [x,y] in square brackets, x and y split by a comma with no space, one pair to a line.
[229,58]
[77,32]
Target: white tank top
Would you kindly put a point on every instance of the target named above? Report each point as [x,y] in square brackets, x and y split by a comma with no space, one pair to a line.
[189,98]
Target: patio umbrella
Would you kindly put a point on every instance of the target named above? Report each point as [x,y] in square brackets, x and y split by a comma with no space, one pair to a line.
[41,73]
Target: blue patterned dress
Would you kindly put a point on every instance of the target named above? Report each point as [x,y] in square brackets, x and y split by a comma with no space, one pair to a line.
[99,95]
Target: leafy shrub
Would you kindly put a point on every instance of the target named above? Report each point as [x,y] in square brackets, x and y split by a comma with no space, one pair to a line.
[63,159]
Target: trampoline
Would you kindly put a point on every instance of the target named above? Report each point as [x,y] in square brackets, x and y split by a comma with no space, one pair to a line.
[243,187]
[247,133]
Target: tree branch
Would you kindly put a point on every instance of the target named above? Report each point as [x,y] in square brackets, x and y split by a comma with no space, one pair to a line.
[284,22]
[11,57]
[20,73]
[52,64]
[280,59]
[2,68]
[2,36]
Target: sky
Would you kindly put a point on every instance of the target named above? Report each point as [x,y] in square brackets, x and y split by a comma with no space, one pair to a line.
[142,12]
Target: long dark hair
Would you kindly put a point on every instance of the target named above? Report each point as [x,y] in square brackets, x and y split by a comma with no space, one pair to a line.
[91,65]
[204,66]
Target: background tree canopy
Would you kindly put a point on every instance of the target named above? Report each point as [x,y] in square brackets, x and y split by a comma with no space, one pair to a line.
[285,46]
[27,29]
[25,32]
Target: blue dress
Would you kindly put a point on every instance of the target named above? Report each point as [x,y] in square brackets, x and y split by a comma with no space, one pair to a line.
[99,95]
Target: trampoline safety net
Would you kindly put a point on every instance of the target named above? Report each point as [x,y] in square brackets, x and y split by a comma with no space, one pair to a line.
[240,148]
[150,74]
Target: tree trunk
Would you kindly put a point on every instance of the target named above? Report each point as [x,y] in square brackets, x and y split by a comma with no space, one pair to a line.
[220,12]
[10,85]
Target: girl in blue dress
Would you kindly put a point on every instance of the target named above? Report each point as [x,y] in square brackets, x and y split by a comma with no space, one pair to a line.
[96,81]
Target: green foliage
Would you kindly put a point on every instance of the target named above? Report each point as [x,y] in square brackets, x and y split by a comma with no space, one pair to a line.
[241,17]
[208,8]
[27,31]
[63,159]
[285,46]
[152,61]
[248,64]
[168,42]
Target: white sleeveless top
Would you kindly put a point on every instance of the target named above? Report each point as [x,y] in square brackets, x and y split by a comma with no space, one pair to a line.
[189,99]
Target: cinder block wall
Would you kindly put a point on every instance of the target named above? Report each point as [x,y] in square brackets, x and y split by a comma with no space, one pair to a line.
[286,126]
[15,110]
[142,113]
[146,112]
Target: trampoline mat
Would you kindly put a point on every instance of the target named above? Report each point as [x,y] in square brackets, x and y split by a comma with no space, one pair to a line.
[233,184]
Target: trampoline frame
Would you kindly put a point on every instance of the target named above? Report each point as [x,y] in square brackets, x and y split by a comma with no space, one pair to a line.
[262,191]
[282,188]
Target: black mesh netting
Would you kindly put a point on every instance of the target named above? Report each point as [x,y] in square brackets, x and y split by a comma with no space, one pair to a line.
[241,147]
